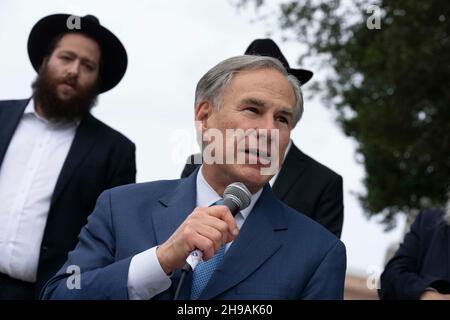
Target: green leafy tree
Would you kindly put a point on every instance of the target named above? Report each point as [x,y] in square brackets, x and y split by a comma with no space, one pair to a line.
[390,85]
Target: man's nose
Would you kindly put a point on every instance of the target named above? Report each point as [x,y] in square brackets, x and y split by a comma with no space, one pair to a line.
[74,68]
[266,127]
[268,123]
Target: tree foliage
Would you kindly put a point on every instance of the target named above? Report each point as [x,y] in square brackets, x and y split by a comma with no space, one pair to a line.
[391,88]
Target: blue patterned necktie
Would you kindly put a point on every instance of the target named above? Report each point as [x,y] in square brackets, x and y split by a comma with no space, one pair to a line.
[203,272]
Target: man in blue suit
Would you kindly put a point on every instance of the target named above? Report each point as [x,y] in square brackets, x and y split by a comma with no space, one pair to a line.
[139,236]
[303,183]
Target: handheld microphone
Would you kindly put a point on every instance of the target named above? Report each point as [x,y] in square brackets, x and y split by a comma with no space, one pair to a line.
[236,197]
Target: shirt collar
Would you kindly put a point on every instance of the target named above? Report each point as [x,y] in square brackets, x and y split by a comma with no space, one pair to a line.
[30,109]
[206,195]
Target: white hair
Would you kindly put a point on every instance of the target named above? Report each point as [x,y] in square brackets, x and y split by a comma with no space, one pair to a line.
[212,85]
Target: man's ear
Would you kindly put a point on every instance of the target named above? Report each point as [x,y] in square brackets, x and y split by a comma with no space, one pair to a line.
[202,112]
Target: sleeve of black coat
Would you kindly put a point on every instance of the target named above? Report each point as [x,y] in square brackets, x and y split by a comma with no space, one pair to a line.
[400,279]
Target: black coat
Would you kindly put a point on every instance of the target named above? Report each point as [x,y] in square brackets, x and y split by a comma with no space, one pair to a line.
[99,158]
[307,186]
[423,260]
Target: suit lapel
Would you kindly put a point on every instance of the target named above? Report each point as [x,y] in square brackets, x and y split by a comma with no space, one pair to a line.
[291,169]
[177,205]
[10,116]
[84,140]
[258,240]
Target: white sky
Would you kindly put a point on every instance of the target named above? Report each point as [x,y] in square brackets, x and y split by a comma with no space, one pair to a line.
[170,45]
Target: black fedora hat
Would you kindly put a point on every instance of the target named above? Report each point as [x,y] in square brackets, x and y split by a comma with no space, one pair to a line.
[268,47]
[114,55]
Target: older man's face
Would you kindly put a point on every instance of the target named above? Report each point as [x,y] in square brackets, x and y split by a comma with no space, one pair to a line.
[255,99]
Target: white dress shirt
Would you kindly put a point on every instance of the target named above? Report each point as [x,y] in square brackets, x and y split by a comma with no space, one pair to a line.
[146,278]
[28,176]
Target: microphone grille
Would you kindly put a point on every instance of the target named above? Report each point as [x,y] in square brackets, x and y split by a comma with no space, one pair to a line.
[239,194]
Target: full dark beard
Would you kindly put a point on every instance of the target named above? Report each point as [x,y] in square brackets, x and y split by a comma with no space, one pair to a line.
[57,110]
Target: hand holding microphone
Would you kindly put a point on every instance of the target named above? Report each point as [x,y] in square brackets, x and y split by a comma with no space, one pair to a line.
[204,231]
[236,197]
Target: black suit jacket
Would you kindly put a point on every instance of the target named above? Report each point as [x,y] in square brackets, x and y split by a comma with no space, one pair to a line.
[99,158]
[423,260]
[307,186]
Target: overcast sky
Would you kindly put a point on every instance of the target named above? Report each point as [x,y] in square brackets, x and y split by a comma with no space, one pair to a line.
[170,45]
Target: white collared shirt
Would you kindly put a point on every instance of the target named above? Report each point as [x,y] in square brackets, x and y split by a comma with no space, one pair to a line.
[28,176]
[146,278]
[207,196]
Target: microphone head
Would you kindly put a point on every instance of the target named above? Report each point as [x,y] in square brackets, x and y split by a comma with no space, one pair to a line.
[238,193]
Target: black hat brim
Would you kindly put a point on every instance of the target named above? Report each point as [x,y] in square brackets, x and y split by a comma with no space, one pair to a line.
[301,74]
[268,47]
[114,55]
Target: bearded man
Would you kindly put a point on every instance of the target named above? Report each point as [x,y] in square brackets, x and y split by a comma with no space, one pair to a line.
[55,157]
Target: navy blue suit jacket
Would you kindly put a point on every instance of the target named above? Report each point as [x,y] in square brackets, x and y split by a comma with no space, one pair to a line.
[279,254]
[423,260]
[99,158]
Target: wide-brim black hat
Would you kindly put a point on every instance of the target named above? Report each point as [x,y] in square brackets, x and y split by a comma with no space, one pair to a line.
[114,55]
[268,47]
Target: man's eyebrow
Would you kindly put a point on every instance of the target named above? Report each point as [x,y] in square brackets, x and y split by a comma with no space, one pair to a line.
[86,60]
[254,102]
[83,59]
[287,111]
[260,103]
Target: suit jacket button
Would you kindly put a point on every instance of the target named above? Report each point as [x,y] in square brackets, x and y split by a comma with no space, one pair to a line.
[44,248]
